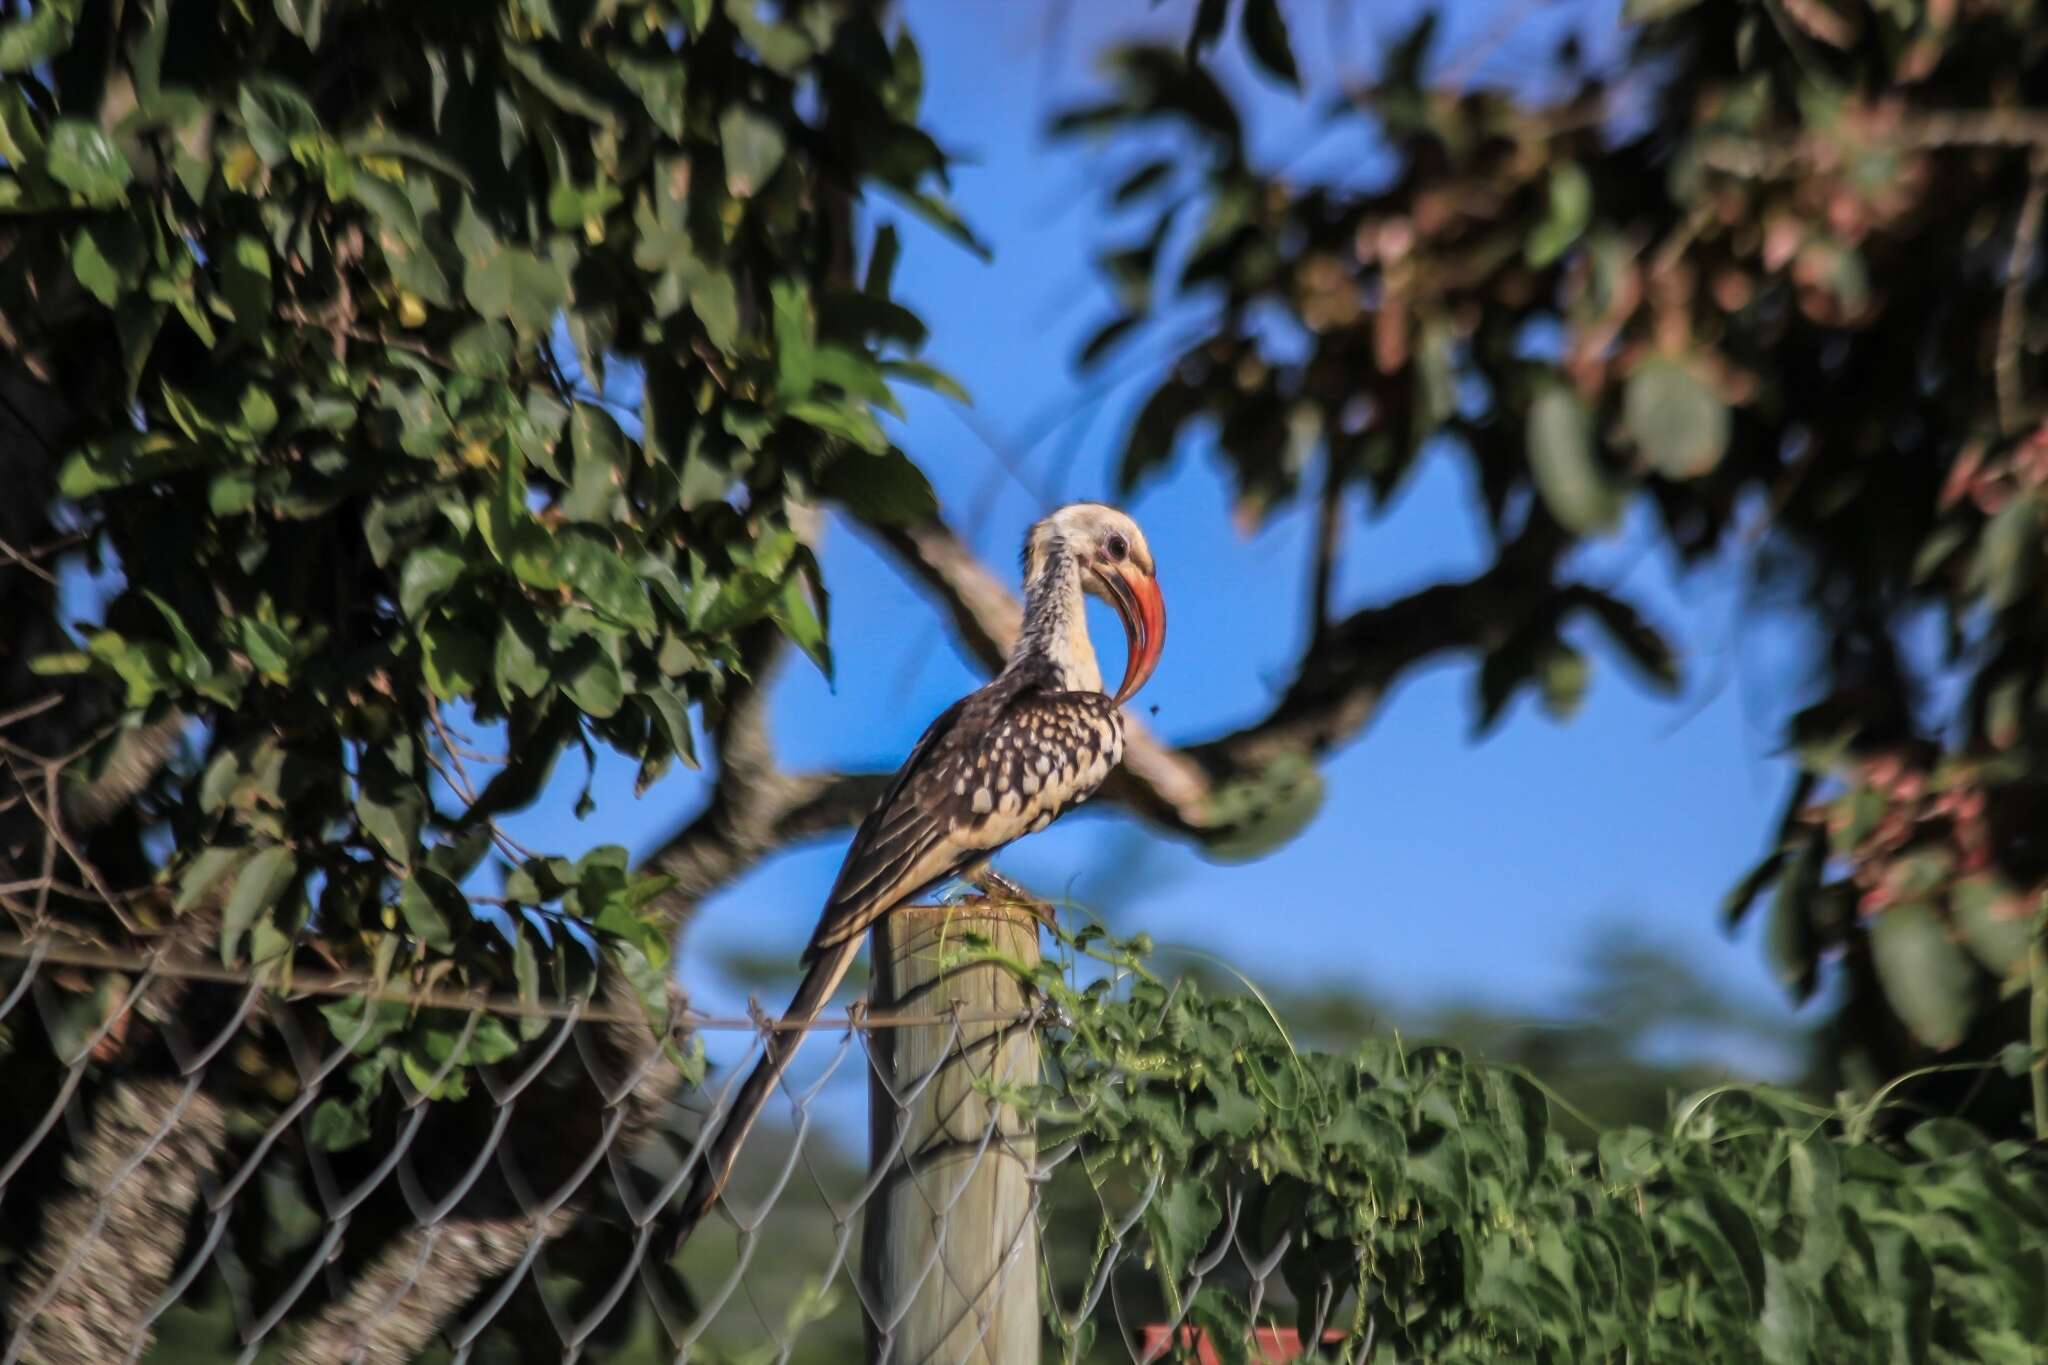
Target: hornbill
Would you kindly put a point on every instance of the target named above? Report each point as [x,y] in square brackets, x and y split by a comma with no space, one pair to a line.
[1002,762]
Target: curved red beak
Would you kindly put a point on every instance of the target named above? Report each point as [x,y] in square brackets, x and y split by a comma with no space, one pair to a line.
[1136,597]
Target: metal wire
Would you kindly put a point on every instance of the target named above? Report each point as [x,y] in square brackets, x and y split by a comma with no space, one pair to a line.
[184,1184]
[198,1162]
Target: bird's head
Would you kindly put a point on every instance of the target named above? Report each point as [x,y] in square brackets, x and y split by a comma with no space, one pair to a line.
[1116,565]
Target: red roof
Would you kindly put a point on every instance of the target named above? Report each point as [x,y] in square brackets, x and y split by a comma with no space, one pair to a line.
[1274,1344]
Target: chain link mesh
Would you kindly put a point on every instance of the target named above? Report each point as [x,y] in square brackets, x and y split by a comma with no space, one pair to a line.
[169,1189]
[202,1160]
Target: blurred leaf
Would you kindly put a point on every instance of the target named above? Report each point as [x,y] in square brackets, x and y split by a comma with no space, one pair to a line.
[245,283]
[84,160]
[429,571]
[456,660]
[753,147]
[1570,210]
[604,579]
[276,114]
[1563,677]
[591,679]
[1992,922]
[25,43]
[1925,976]
[1576,489]
[2008,553]
[1794,940]
[203,874]
[258,886]
[1679,425]
[886,489]
[109,258]
[433,907]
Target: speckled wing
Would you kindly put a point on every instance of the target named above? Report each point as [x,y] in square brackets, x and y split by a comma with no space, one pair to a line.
[1000,763]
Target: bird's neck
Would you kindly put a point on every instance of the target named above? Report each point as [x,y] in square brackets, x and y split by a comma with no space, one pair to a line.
[1055,628]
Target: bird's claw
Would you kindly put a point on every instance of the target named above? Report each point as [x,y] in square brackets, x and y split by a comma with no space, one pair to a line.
[996,888]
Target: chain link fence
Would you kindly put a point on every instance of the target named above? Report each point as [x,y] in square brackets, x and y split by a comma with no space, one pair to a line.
[190,1170]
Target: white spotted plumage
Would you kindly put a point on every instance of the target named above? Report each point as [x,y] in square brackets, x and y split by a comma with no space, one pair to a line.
[1002,762]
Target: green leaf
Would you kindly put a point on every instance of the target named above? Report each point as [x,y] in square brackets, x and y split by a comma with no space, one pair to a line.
[521,654]
[270,650]
[109,257]
[796,338]
[202,874]
[800,620]
[245,284]
[1925,976]
[303,18]
[1784,1329]
[1814,1196]
[604,579]
[671,715]
[514,537]
[258,886]
[602,464]
[1993,922]
[661,84]
[1181,1219]
[433,907]
[275,114]
[137,321]
[1680,426]
[1570,210]
[484,350]
[591,679]
[429,571]
[336,1125]
[753,145]
[511,282]
[2009,552]
[454,659]
[717,307]
[1562,677]
[1568,474]
[930,377]
[85,160]
[557,89]
[389,800]
[26,43]
[850,420]
[1794,940]
[882,262]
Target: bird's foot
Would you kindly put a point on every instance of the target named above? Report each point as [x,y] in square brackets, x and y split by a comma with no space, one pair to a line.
[995,887]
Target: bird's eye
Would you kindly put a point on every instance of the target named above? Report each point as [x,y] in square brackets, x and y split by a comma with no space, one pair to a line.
[1117,546]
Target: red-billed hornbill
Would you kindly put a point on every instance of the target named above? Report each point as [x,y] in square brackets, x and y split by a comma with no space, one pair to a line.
[1002,762]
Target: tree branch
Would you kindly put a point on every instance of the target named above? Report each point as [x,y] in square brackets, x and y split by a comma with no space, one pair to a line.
[756,809]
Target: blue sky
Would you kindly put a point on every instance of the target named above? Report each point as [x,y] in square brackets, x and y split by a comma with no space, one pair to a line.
[1440,868]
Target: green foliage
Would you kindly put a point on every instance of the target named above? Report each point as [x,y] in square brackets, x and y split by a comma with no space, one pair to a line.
[351,287]
[1429,1200]
[1781,311]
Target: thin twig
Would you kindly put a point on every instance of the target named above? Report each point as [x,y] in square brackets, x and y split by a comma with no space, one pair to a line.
[2019,268]
[27,563]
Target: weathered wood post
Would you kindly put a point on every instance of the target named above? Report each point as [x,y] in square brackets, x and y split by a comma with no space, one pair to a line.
[950,1246]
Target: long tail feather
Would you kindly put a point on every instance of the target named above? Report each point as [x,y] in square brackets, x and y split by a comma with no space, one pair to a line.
[828,969]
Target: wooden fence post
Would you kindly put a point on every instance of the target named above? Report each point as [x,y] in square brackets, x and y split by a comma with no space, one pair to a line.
[950,1245]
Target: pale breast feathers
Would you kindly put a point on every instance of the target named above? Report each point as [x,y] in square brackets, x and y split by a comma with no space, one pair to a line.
[1047,753]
